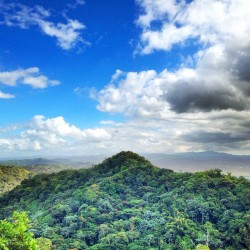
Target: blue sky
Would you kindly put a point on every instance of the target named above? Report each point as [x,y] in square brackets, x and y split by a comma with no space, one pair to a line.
[89,77]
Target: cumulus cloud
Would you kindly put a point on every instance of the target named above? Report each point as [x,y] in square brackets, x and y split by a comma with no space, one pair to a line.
[221,74]
[6,95]
[178,21]
[30,76]
[58,130]
[68,34]
[130,93]
[50,134]
[149,93]
[18,144]
[219,78]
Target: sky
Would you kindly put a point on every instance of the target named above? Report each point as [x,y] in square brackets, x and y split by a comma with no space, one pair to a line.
[80,77]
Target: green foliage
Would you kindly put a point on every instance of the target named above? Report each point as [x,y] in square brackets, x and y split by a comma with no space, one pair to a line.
[127,203]
[10,177]
[43,243]
[202,247]
[14,235]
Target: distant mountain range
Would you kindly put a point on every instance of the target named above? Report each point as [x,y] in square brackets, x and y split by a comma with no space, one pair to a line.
[238,165]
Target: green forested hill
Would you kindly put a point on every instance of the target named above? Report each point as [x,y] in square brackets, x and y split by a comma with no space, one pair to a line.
[127,203]
[11,177]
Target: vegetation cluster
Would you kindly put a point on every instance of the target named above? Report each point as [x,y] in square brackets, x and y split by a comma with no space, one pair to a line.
[127,203]
[10,177]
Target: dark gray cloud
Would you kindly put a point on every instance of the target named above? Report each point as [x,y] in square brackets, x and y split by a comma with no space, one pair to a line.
[189,97]
[246,124]
[240,63]
[215,137]
[219,84]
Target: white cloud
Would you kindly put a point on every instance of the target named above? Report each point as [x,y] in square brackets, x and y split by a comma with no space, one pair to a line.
[50,136]
[131,90]
[39,82]
[68,34]
[61,129]
[118,73]
[78,91]
[157,10]
[226,131]
[18,144]
[206,20]
[75,4]
[5,95]
[107,122]
[165,39]
[30,76]
[11,77]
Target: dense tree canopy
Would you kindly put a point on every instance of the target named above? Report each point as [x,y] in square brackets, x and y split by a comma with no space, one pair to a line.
[12,176]
[127,203]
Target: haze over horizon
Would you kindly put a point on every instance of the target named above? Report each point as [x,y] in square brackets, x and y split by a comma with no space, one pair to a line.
[88,77]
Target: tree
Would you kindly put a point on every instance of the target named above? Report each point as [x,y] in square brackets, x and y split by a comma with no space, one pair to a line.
[202,247]
[43,243]
[14,235]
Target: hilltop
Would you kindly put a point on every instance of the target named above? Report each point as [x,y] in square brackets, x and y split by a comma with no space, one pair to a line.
[127,203]
[10,177]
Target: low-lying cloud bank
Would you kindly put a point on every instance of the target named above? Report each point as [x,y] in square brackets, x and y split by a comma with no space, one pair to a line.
[226,131]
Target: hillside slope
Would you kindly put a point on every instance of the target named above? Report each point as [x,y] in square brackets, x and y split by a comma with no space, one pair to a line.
[127,203]
[10,177]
